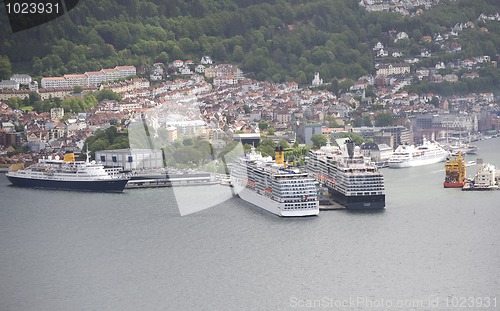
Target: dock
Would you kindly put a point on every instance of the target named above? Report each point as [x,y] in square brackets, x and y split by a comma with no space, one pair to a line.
[170,180]
[331,206]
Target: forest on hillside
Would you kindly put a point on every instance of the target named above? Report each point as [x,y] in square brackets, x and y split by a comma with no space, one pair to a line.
[278,40]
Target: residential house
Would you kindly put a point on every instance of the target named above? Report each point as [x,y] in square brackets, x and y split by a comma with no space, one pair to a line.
[9,85]
[206,60]
[53,82]
[73,80]
[178,63]
[56,113]
[95,78]
[391,69]
[126,71]
[22,79]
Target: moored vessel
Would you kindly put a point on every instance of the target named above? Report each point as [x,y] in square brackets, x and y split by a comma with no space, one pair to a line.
[274,186]
[352,180]
[410,155]
[455,172]
[68,174]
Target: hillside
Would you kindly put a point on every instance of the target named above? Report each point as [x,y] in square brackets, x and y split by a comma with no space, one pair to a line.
[271,40]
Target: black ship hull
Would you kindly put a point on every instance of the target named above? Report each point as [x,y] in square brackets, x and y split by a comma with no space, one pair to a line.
[364,202]
[112,185]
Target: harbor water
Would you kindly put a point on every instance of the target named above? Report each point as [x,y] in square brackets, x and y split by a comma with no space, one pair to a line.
[430,249]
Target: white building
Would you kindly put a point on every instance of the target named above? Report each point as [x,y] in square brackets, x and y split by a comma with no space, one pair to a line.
[22,79]
[33,86]
[131,159]
[317,81]
[189,128]
[376,152]
[206,60]
[56,113]
[485,176]
[200,69]
[9,85]
[76,80]
[95,78]
[391,69]
[225,80]
[111,74]
[126,71]
[49,82]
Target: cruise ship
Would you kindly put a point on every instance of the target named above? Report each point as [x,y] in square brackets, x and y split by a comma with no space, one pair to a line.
[274,186]
[68,174]
[409,155]
[463,148]
[352,180]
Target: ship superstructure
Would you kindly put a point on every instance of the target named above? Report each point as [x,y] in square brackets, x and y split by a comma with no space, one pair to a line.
[352,180]
[274,186]
[455,172]
[68,174]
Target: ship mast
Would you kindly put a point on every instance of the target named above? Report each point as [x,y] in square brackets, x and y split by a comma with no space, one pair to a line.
[87,153]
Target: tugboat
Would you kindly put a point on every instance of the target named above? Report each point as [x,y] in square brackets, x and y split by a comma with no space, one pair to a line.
[455,172]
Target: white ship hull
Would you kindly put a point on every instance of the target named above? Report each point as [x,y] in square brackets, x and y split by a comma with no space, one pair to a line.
[275,207]
[425,154]
[416,162]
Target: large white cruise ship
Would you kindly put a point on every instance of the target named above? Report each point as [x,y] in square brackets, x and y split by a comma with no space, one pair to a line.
[352,180]
[68,174]
[409,155]
[274,186]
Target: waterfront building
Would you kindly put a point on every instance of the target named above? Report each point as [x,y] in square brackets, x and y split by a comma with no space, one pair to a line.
[376,152]
[131,159]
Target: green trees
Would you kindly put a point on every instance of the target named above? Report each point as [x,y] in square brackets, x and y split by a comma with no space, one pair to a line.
[318,140]
[356,138]
[106,140]
[270,40]
[383,119]
[266,147]
[267,39]
[107,94]
[5,67]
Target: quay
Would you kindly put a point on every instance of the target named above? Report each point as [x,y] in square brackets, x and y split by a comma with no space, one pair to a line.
[330,206]
[170,180]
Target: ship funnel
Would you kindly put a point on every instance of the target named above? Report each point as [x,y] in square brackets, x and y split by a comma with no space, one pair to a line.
[69,156]
[350,148]
[279,155]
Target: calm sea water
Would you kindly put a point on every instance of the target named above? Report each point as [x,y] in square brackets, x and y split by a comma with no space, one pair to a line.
[431,249]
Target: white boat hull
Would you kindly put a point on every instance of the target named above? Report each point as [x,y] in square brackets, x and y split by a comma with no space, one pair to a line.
[416,162]
[275,207]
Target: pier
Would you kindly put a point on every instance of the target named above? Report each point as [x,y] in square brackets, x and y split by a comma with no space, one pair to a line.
[330,206]
[171,180]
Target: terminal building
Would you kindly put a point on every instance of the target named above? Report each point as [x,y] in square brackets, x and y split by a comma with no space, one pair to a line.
[131,159]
